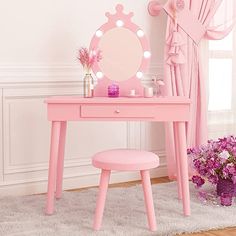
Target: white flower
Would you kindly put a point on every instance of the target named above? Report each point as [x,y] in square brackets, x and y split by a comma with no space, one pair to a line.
[224,155]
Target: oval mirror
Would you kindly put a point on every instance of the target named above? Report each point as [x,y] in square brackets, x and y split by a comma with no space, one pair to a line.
[125,54]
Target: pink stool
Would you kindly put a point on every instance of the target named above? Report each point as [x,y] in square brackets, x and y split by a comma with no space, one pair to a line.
[125,160]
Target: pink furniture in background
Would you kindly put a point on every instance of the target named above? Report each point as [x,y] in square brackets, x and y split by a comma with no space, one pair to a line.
[162,109]
[125,160]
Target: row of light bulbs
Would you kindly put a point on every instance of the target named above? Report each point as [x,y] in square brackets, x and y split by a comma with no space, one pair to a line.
[140,34]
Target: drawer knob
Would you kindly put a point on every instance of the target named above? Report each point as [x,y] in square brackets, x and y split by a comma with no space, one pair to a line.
[117,111]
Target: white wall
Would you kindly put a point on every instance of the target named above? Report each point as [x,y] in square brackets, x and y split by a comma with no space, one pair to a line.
[39,40]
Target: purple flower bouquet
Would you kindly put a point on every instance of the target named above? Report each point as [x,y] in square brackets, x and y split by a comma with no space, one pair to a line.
[216,162]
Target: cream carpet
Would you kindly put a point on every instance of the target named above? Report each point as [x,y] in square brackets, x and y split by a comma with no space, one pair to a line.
[124,214]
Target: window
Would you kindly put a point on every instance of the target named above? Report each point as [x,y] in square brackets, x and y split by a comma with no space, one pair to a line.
[222,86]
[221,74]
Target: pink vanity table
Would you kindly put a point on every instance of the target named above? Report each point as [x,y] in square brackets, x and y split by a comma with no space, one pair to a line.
[125,56]
[64,109]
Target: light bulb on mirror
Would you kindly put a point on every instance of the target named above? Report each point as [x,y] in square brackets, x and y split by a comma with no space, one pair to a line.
[112,39]
[147,54]
[99,33]
[140,33]
[99,74]
[139,74]
[119,23]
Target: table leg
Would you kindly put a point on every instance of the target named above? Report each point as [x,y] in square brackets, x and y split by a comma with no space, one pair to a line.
[180,196]
[55,134]
[183,162]
[60,162]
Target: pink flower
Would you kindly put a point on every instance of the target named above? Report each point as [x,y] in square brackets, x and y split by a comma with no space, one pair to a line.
[88,58]
[224,155]
[231,168]
[198,181]
[215,160]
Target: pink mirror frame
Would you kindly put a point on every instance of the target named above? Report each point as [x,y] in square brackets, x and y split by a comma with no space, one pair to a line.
[119,19]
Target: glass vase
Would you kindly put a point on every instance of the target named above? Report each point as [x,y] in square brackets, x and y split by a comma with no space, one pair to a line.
[226,199]
[225,186]
[88,86]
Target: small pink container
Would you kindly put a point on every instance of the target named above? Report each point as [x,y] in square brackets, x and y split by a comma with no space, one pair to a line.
[113,90]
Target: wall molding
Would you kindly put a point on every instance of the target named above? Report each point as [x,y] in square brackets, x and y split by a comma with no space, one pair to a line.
[69,163]
[132,137]
[20,84]
[47,74]
[36,186]
[13,96]
[42,64]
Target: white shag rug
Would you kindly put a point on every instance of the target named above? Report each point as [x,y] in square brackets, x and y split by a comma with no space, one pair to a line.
[124,214]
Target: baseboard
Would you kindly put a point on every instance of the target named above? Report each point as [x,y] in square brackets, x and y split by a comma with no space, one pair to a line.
[39,187]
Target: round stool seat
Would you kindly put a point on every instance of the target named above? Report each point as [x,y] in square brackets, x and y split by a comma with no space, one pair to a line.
[125,159]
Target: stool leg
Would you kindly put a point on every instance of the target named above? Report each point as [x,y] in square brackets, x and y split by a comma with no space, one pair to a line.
[104,181]
[147,190]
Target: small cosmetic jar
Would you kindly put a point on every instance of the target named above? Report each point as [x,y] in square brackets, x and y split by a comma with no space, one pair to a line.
[113,90]
[148,92]
[132,92]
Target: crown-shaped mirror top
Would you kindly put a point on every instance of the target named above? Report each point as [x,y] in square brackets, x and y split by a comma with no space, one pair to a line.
[125,54]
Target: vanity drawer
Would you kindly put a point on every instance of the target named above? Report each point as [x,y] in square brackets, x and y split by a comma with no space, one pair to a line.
[117,111]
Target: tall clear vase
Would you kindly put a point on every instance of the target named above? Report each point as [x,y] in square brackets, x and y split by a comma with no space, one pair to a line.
[88,86]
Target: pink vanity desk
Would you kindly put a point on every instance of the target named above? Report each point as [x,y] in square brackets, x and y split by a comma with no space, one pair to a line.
[74,108]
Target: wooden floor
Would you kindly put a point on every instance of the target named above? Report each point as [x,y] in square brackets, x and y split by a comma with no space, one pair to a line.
[223,232]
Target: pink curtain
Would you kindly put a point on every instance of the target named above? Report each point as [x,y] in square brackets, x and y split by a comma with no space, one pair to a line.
[188,23]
